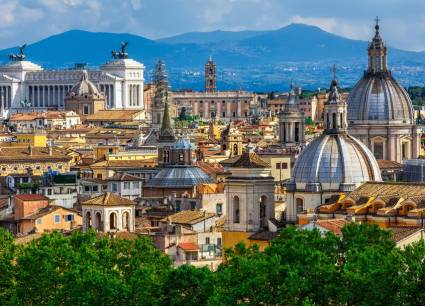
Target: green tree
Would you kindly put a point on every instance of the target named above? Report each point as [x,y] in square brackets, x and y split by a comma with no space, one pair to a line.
[188,285]
[7,271]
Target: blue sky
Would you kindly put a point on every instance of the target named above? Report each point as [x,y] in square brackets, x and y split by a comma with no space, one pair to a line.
[403,21]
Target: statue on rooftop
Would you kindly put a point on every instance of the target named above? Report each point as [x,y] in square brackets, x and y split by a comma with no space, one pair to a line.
[122,53]
[20,56]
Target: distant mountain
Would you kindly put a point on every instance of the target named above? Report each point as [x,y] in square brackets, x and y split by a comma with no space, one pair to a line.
[253,60]
[210,37]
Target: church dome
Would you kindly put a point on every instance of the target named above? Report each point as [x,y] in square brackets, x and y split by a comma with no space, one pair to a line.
[84,87]
[335,160]
[179,177]
[378,97]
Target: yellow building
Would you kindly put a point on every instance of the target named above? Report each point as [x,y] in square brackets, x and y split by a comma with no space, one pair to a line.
[33,139]
[35,160]
[56,218]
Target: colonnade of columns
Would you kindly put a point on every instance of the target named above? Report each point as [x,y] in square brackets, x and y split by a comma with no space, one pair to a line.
[135,95]
[5,96]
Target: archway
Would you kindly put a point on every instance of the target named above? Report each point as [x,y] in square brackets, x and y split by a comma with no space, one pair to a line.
[98,219]
[126,221]
[112,221]
[88,220]
[299,205]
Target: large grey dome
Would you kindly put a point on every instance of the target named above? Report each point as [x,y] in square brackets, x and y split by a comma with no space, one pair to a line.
[379,98]
[335,161]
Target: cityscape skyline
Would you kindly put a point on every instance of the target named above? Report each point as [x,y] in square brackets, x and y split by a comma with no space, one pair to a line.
[141,18]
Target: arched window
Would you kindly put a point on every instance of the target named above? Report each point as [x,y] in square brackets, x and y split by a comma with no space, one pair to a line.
[235,149]
[98,221]
[299,205]
[126,221]
[327,121]
[236,212]
[263,211]
[378,150]
[341,120]
[88,219]
[113,221]
[334,120]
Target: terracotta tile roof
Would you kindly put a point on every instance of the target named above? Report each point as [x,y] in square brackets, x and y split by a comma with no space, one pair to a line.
[250,160]
[400,233]
[210,188]
[109,199]
[124,177]
[113,115]
[209,168]
[188,246]
[31,116]
[388,164]
[188,217]
[47,210]
[333,225]
[31,197]
[22,154]
[390,190]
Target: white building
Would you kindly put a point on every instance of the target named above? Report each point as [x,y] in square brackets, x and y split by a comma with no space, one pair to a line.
[126,185]
[121,80]
[109,213]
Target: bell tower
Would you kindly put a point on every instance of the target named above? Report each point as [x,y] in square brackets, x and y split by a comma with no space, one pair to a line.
[210,76]
[291,123]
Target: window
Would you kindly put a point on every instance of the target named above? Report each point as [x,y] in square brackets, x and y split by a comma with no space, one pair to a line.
[136,185]
[299,205]
[207,240]
[126,185]
[224,114]
[192,205]
[86,188]
[95,188]
[49,191]
[114,187]
[234,115]
[57,219]
[219,209]
[277,165]
[378,150]
[178,205]
[69,218]
[85,109]
[39,221]
[284,165]
[246,114]
[236,212]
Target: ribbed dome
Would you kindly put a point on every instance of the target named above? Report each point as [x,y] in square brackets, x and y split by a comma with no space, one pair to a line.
[339,161]
[379,97]
[84,87]
[179,177]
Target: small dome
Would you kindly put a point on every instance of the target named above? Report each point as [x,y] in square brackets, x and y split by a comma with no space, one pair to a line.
[84,87]
[335,161]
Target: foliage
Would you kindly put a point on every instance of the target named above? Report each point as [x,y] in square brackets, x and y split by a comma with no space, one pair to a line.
[309,121]
[363,267]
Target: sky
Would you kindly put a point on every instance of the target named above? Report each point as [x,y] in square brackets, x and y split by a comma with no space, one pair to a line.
[27,21]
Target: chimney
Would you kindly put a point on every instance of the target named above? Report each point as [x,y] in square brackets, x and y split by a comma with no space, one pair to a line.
[30,150]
